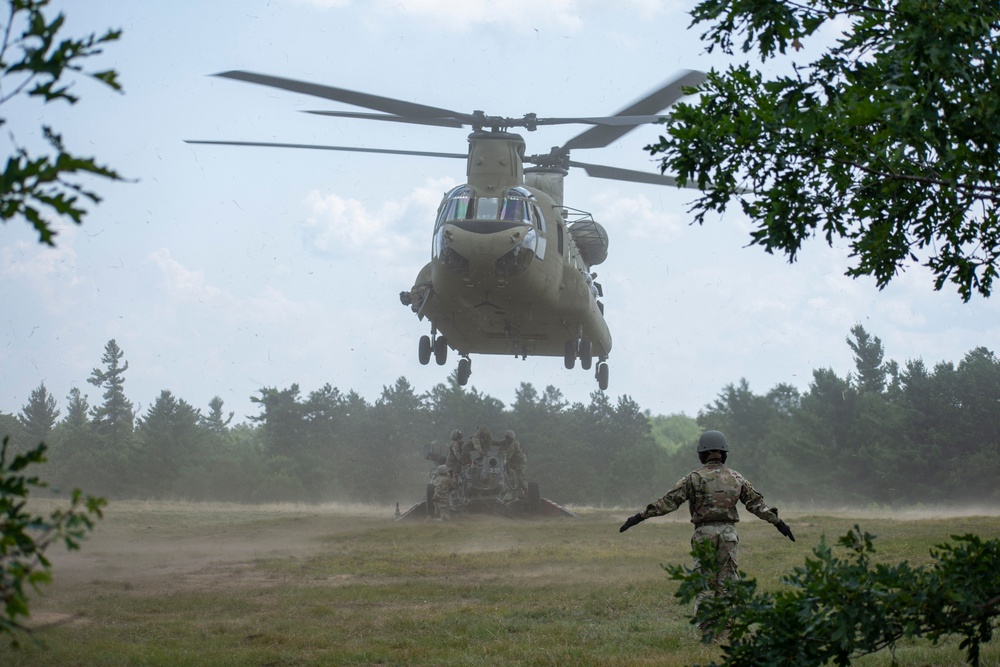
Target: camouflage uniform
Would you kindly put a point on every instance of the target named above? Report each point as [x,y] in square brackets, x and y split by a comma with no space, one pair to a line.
[711,493]
[458,453]
[516,460]
[415,297]
[444,483]
[481,441]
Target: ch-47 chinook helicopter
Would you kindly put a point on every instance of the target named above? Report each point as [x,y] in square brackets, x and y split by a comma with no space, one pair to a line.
[511,264]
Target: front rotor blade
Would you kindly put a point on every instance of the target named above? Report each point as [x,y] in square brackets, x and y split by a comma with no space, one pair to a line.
[663,97]
[319,147]
[374,102]
[439,122]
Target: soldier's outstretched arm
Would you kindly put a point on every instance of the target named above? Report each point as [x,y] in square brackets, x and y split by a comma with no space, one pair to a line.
[784,529]
[631,521]
[673,499]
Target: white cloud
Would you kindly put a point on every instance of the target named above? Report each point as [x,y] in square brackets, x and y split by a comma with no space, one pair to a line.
[637,217]
[337,224]
[189,287]
[392,232]
[325,4]
[522,15]
[49,271]
[464,15]
[185,285]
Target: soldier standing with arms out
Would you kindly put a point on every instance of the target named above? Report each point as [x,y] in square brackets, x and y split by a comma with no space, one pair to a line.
[711,493]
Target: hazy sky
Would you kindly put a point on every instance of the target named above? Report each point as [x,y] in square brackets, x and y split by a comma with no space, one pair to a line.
[222,270]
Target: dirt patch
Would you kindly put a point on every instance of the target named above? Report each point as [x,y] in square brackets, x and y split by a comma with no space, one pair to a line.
[190,546]
[183,546]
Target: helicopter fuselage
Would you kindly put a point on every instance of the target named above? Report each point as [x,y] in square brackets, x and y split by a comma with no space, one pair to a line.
[510,286]
[506,274]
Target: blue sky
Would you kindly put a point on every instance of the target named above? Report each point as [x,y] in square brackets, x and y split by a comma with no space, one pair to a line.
[223,270]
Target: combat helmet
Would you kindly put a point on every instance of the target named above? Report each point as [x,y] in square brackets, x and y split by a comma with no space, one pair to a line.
[712,441]
[509,435]
[442,470]
[456,435]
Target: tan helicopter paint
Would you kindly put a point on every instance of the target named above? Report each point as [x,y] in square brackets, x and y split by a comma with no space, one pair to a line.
[531,313]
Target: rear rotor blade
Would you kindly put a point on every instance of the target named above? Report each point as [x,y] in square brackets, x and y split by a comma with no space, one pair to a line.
[663,97]
[618,174]
[611,121]
[319,147]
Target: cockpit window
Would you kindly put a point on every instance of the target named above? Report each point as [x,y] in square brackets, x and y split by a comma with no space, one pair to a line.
[457,209]
[536,214]
[514,209]
[487,208]
[515,206]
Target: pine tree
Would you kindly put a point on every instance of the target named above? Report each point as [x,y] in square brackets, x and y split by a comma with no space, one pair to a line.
[76,413]
[114,418]
[169,438]
[39,415]
[868,357]
[214,421]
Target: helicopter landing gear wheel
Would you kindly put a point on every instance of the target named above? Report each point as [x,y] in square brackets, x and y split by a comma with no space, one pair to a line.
[569,357]
[441,350]
[464,370]
[602,375]
[586,354]
[424,350]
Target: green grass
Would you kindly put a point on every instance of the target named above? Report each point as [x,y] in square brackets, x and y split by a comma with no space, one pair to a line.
[174,584]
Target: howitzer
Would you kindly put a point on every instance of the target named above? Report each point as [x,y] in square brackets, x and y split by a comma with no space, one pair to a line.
[485,487]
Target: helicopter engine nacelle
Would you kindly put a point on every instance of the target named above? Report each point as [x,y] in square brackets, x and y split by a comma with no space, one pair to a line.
[591,240]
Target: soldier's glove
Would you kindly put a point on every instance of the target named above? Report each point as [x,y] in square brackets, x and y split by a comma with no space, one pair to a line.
[631,521]
[785,530]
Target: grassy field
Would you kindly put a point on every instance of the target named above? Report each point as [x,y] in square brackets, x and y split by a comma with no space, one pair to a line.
[184,584]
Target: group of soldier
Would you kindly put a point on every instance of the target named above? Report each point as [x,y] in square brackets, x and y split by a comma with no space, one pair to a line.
[462,453]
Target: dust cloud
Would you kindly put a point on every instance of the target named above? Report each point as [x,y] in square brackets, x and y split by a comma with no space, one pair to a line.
[186,545]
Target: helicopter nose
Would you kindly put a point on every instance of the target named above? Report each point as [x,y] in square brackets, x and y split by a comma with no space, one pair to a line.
[500,250]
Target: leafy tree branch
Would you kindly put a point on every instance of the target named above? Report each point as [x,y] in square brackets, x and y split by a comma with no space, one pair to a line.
[837,609]
[36,63]
[25,537]
[888,140]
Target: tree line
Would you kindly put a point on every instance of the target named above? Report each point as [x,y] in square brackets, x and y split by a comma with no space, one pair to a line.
[885,434]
